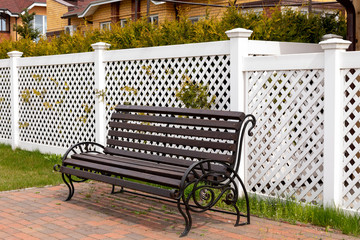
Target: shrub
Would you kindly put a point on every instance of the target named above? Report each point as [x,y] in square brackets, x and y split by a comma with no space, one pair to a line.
[286,25]
[194,94]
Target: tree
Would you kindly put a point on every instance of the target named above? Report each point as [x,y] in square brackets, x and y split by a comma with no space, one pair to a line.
[27,30]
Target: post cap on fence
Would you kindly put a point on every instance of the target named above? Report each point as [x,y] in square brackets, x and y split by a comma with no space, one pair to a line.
[239,33]
[335,43]
[15,54]
[330,36]
[100,46]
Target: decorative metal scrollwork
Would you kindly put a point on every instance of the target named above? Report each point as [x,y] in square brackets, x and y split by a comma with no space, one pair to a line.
[209,182]
[84,147]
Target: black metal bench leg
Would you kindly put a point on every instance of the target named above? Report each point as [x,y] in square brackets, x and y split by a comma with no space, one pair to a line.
[234,201]
[237,215]
[247,202]
[114,192]
[69,184]
[187,217]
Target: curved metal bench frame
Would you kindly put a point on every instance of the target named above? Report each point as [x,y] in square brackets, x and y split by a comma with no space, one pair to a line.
[207,185]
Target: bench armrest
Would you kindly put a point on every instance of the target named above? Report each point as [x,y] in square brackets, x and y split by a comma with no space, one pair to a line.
[83,147]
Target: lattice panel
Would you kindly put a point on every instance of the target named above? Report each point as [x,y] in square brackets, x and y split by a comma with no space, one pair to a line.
[57,104]
[155,82]
[285,156]
[5,104]
[351,177]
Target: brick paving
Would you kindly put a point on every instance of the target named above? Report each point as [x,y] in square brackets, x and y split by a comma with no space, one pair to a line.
[93,213]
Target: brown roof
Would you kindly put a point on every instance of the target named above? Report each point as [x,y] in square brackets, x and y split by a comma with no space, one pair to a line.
[17,6]
[271,3]
[83,6]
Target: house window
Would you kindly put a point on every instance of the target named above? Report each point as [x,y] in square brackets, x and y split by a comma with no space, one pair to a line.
[154,19]
[40,24]
[194,19]
[105,26]
[256,11]
[4,23]
[123,22]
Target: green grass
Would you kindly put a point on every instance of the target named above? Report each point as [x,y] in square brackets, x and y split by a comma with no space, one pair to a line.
[294,212]
[23,169]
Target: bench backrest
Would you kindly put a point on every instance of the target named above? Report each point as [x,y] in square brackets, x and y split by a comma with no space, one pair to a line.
[170,135]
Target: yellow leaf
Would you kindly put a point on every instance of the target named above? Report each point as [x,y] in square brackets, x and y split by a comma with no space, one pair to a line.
[47,105]
[66,88]
[56,82]
[23,125]
[36,92]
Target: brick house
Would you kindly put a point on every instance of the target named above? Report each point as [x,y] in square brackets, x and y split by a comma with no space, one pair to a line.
[71,15]
[10,11]
[100,14]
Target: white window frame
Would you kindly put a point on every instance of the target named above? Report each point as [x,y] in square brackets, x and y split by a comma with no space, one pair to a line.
[257,11]
[195,19]
[105,25]
[154,19]
[44,25]
[123,22]
[4,23]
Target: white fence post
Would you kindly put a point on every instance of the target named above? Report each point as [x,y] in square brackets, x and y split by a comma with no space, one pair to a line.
[333,120]
[100,86]
[14,56]
[239,41]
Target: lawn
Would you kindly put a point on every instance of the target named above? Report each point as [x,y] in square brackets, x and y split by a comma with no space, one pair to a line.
[23,169]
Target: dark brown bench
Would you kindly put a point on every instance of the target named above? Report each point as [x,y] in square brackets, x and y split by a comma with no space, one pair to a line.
[177,149]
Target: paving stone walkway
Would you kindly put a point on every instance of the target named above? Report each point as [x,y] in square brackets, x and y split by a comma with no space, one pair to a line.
[41,213]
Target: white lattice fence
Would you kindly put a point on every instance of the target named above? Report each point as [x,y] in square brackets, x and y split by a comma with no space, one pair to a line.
[5,104]
[156,81]
[286,153]
[57,104]
[351,175]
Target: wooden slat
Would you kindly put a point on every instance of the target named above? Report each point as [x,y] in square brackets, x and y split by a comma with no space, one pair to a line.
[172,140]
[170,182]
[135,161]
[148,157]
[149,168]
[182,111]
[171,151]
[143,159]
[121,182]
[178,121]
[177,131]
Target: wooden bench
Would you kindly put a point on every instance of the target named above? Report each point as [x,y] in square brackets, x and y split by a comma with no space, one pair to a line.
[177,149]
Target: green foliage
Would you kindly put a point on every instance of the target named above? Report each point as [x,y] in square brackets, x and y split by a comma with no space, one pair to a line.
[286,25]
[293,211]
[194,94]
[26,30]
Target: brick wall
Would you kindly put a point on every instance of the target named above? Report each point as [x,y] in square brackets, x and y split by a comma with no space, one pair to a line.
[38,10]
[54,12]
[102,14]
[166,11]
[4,36]
[12,34]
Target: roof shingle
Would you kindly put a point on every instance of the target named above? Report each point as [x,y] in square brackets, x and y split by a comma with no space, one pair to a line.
[16,7]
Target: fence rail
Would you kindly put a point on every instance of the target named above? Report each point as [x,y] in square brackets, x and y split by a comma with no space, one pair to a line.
[306,99]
